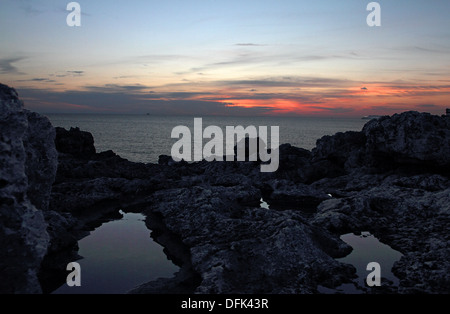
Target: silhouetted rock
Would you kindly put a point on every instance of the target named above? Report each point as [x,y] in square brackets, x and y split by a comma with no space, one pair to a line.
[295,164]
[411,142]
[165,160]
[411,138]
[61,229]
[42,159]
[249,149]
[28,163]
[343,152]
[75,142]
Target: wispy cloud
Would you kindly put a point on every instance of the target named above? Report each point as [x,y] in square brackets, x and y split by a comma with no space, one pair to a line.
[77,73]
[293,81]
[125,77]
[7,67]
[116,88]
[434,50]
[249,45]
[333,109]
[38,79]
[69,73]
[28,8]
[161,58]
[180,95]
[266,57]
[427,106]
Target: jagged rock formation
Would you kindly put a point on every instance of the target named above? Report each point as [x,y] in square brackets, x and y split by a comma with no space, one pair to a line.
[241,249]
[28,162]
[412,139]
[75,142]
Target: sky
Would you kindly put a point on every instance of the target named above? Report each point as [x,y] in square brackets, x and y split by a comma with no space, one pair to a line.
[228,57]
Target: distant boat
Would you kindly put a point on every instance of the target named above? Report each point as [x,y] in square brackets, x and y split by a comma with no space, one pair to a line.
[371,117]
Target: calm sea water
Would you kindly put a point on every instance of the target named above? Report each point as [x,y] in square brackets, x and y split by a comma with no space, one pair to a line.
[142,138]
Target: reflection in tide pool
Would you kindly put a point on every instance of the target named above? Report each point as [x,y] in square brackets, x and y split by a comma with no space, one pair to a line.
[366,249]
[119,256]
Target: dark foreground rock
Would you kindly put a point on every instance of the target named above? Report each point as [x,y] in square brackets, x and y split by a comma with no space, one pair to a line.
[412,215]
[411,141]
[240,249]
[75,142]
[28,162]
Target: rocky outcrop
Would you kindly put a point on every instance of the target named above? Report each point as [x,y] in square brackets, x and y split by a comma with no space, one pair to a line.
[42,159]
[411,141]
[75,142]
[339,154]
[411,214]
[240,249]
[295,165]
[86,179]
[28,165]
[412,138]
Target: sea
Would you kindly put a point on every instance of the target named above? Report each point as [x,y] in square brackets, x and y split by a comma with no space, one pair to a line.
[143,138]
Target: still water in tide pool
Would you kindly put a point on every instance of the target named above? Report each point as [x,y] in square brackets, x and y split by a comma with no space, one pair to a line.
[118,256]
[367,249]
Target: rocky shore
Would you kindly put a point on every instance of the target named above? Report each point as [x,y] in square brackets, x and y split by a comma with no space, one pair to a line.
[391,179]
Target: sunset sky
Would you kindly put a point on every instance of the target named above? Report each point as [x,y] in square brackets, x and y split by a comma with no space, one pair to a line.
[227,57]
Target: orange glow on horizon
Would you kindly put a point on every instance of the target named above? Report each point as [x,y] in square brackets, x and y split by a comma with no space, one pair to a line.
[356,100]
